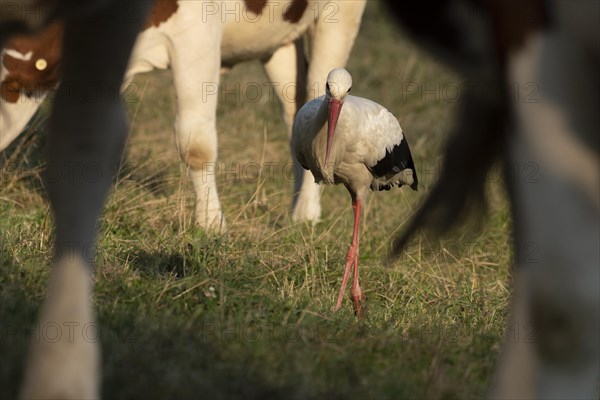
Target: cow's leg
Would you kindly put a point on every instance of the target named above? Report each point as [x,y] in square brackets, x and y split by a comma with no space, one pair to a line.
[286,69]
[84,146]
[330,44]
[196,61]
[556,204]
[551,348]
[330,41]
[515,377]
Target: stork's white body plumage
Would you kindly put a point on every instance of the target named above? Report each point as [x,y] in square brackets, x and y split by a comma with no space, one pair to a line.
[365,134]
[354,141]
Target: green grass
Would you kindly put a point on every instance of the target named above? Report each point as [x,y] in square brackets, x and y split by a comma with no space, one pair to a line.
[249,315]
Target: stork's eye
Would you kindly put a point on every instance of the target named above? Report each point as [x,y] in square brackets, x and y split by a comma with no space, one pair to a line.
[349,89]
[327,86]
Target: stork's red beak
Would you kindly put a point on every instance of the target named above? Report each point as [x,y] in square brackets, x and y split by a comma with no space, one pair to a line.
[335,106]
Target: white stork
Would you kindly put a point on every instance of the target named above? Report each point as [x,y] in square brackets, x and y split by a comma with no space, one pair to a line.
[363,147]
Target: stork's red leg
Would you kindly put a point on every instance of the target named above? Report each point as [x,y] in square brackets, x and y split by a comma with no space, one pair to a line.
[357,296]
[352,260]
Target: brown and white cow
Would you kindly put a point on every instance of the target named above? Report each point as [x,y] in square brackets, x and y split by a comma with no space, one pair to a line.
[194,39]
[97,47]
[551,48]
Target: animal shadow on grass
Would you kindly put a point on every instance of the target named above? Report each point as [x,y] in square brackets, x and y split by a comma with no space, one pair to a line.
[170,353]
[18,311]
[141,359]
[163,359]
[152,354]
[152,264]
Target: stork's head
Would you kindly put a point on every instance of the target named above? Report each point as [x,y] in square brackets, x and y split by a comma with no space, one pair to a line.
[339,83]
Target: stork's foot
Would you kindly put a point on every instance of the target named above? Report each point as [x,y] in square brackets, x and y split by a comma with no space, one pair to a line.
[64,357]
[358,299]
[359,303]
[351,260]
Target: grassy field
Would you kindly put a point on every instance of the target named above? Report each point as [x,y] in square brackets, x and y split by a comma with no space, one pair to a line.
[249,316]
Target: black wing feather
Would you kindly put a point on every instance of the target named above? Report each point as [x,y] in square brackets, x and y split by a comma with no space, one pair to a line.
[396,161]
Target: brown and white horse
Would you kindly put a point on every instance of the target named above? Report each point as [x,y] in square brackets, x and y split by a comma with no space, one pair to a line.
[554,47]
[195,39]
